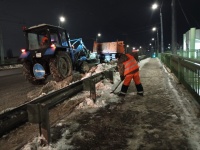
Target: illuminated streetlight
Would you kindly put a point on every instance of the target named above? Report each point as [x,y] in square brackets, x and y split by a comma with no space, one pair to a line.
[98,35]
[155,6]
[127,46]
[155,42]
[155,29]
[61,19]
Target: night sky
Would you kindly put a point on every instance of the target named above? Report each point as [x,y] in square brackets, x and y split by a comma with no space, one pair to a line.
[127,20]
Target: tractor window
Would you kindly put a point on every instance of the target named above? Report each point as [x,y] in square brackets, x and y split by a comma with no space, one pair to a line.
[63,39]
[43,39]
[33,41]
[54,39]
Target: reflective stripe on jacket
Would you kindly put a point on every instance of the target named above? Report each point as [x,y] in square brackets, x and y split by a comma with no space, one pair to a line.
[130,65]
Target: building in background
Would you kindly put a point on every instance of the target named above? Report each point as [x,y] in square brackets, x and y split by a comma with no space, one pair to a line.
[191,39]
[191,43]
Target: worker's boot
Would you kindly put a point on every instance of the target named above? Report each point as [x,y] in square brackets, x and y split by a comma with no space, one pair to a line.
[121,94]
[139,88]
[123,90]
[141,94]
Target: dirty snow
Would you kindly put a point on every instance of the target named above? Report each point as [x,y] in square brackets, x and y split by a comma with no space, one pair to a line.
[186,105]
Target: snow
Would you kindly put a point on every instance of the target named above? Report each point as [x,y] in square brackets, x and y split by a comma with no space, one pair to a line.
[10,67]
[102,88]
[104,97]
[188,116]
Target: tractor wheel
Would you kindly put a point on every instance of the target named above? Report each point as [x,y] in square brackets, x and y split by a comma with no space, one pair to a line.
[84,67]
[60,66]
[28,73]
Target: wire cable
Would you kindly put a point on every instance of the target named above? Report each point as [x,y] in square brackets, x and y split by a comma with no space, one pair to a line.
[184,13]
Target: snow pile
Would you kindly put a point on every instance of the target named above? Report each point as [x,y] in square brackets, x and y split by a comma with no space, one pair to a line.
[53,85]
[10,67]
[103,94]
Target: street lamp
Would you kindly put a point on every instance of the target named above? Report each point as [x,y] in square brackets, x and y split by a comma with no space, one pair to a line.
[98,35]
[127,46]
[155,6]
[1,46]
[61,19]
[153,39]
[155,29]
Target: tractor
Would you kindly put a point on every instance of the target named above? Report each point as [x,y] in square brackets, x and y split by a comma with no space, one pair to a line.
[49,51]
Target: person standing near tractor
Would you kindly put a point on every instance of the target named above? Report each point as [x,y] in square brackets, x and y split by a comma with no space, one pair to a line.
[128,68]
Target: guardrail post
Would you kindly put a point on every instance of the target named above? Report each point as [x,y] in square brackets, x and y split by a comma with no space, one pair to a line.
[92,90]
[170,63]
[38,113]
[45,125]
[89,85]
[109,75]
[179,69]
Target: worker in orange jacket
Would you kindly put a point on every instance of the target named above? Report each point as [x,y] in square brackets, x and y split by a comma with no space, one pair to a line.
[128,69]
[44,41]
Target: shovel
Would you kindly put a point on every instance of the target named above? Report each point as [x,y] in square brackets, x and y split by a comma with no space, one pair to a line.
[116,86]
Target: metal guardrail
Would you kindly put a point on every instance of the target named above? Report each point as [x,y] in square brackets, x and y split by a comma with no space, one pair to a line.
[18,116]
[10,61]
[187,71]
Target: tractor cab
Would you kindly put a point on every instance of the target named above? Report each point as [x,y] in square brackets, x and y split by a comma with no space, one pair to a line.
[45,36]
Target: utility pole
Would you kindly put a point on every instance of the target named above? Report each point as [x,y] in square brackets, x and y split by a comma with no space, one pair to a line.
[158,47]
[154,6]
[161,30]
[1,46]
[174,38]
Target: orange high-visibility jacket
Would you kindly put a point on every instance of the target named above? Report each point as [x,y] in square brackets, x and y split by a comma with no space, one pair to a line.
[44,39]
[130,65]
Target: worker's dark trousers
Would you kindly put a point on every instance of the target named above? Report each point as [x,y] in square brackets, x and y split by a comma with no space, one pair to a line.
[139,88]
[127,81]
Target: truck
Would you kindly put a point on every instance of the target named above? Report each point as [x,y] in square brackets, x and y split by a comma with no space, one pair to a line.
[50,51]
[106,51]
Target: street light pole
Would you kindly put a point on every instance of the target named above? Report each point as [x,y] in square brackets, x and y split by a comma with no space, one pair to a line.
[155,43]
[161,30]
[157,49]
[127,46]
[1,46]
[174,38]
[155,6]
[98,35]
[61,19]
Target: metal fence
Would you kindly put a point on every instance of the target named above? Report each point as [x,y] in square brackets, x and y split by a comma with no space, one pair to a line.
[187,70]
[10,61]
[192,53]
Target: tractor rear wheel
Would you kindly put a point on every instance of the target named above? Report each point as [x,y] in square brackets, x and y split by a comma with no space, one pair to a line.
[61,66]
[28,73]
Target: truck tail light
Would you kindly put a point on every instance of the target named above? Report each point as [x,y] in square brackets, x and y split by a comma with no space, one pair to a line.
[23,50]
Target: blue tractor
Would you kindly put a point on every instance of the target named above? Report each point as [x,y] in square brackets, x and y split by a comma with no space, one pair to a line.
[49,51]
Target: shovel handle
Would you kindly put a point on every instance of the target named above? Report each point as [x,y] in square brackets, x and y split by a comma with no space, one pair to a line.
[116,87]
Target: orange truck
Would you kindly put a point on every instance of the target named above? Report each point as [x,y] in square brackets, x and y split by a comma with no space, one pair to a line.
[107,50]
